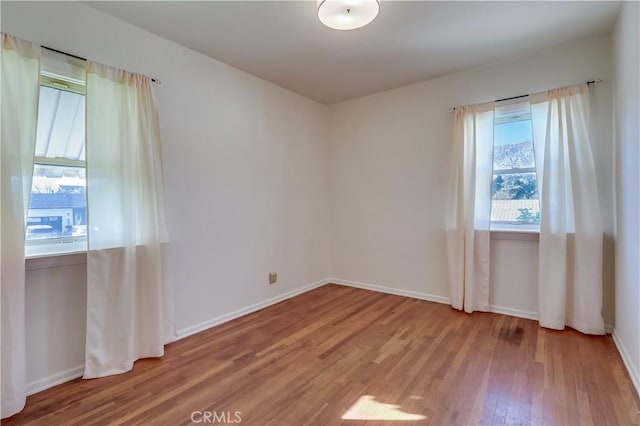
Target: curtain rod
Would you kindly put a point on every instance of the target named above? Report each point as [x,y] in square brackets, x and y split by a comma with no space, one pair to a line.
[589,83]
[155,80]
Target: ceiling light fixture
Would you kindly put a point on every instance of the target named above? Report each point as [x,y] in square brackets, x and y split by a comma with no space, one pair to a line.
[347,14]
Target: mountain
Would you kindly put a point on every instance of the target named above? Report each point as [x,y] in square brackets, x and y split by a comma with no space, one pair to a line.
[517,155]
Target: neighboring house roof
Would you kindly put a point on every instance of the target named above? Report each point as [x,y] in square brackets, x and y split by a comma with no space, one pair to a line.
[507,210]
[58,200]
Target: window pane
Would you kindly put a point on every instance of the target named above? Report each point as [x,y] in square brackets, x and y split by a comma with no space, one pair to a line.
[58,206]
[516,186]
[513,147]
[515,191]
[60,132]
[515,198]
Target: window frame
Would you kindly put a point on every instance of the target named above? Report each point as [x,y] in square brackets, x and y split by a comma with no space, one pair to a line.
[67,244]
[507,225]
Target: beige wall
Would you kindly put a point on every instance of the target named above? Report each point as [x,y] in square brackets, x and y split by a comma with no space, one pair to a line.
[389,164]
[245,170]
[627,130]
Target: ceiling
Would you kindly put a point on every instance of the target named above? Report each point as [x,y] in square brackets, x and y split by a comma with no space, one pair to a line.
[283,42]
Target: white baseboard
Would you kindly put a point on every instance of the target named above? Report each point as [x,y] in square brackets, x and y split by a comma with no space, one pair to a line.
[390,290]
[75,372]
[54,380]
[626,359]
[512,312]
[432,298]
[441,299]
[188,331]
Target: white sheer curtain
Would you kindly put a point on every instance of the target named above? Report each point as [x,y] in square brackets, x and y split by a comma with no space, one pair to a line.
[20,64]
[570,259]
[128,304]
[469,211]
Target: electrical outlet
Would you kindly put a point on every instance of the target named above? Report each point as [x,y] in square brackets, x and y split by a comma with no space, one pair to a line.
[273,277]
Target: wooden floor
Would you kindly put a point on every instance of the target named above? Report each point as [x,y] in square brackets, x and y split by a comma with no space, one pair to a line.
[339,355]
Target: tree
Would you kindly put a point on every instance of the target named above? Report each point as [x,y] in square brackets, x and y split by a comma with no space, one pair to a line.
[498,183]
[525,189]
[527,216]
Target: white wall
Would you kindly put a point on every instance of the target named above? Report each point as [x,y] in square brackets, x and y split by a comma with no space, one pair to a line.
[389,164]
[56,299]
[627,130]
[245,173]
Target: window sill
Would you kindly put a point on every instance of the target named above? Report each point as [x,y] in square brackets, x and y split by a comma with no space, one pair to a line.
[43,256]
[510,233]
[54,248]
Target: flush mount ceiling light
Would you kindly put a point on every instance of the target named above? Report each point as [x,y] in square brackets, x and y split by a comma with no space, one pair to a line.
[347,14]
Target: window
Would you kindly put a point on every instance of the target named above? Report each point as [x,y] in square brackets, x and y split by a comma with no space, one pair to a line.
[57,214]
[515,204]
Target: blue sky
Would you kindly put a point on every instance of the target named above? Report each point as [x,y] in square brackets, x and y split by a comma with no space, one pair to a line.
[514,132]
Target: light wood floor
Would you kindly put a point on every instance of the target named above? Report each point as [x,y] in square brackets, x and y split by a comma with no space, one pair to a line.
[336,354]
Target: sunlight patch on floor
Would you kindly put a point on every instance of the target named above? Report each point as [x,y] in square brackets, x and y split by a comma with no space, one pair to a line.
[367,408]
